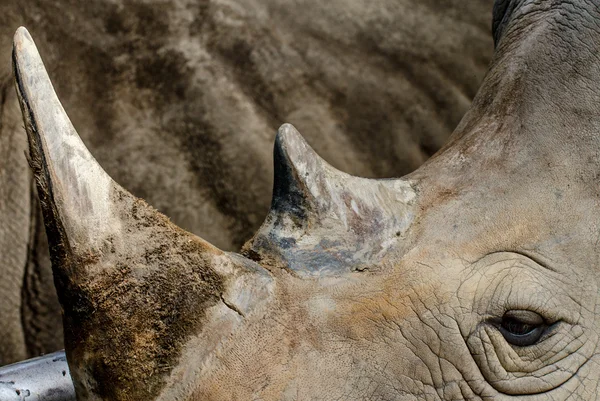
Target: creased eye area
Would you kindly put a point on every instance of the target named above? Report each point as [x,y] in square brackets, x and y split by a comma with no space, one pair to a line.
[534,336]
[522,327]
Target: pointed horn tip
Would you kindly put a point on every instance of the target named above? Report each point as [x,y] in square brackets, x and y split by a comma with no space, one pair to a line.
[287,129]
[26,58]
[23,53]
[291,144]
[22,43]
[288,136]
[22,35]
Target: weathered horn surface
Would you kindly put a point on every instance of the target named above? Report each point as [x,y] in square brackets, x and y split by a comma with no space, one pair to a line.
[323,221]
[133,286]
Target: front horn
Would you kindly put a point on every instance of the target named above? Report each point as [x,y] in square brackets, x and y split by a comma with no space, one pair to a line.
[134,287]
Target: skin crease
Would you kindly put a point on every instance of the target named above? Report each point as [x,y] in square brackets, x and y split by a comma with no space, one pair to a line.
[179,101]
[504,218]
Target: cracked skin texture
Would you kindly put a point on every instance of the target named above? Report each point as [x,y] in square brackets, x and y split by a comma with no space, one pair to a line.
[179,101]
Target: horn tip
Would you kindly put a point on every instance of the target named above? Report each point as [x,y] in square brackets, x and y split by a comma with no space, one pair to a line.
[21,35]
[288,138]
[290,145]
[288,129]
[26,57]
[21,40]
[297,166]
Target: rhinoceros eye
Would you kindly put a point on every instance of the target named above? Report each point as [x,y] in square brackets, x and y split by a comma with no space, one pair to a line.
[522,327]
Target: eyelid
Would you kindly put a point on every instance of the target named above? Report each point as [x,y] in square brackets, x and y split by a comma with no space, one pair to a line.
[525,316]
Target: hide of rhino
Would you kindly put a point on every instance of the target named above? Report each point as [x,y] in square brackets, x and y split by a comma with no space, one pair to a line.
[474,277]
[180,100]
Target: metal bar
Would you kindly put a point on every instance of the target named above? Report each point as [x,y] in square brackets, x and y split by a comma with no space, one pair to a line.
[44,378]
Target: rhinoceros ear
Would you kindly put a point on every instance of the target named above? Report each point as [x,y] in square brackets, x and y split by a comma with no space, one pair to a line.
[134,287]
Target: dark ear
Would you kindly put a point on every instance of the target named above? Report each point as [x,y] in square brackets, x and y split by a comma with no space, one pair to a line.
[133,285]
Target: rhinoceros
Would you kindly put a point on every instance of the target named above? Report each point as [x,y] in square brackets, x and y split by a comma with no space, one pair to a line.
[474,277]
[179,101]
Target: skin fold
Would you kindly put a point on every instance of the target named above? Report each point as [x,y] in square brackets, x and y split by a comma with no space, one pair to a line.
[180,101]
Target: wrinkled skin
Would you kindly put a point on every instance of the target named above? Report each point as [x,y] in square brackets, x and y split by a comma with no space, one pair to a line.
[179,100]
[475,277]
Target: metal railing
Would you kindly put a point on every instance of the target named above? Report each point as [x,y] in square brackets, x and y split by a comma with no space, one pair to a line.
[45,378]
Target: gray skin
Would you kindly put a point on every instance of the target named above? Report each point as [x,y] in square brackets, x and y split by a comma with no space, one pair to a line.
[180,101]
[474,277]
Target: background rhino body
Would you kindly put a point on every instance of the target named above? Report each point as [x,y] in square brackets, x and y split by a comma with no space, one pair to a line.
[179,102]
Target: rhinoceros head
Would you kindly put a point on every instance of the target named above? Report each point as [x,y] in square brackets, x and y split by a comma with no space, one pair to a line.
[475,277]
